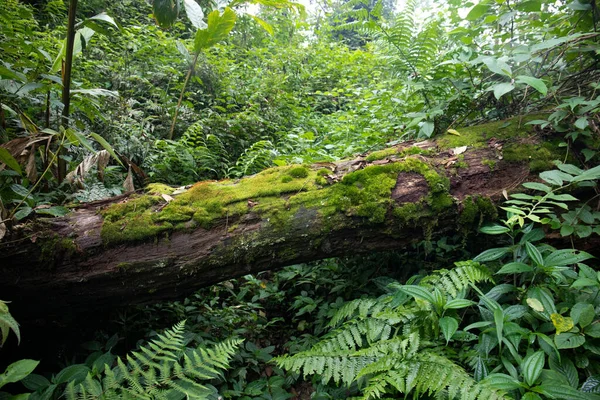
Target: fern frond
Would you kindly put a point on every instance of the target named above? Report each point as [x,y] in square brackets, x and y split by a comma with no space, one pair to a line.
[160,370]
[465,274]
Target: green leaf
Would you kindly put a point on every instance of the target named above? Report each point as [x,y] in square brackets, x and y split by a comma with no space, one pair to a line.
[532,367]
[583,314]
[498,67]
[535,304]
[569,168]
[555,177]
[591,385]
[581,123]
[195,14]
[534,254]
[9,160]
[17,371]
[165,12]
[515,268]
[72,133]
[568,340]
[20,190]
[501,89]
[56,211]
[566,257]
[492,254]
[75,372]
[456,304]
[264,24]
[448,325]
[501,382]
[529,6]
[499,322]
[593,330]
[477,12]
[591,174]
[427,129]
[104,17]
[23,212]
[535,83]
[537,186]
[560,392]
[494,229]
[106,146]
[418,292]
[218,28]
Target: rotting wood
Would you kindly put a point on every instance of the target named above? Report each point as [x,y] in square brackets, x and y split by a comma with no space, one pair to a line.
[66,263]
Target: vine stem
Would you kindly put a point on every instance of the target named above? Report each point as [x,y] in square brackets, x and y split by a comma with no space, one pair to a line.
[187,79]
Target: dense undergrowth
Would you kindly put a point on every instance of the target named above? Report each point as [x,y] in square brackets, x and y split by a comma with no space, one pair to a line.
[509,311]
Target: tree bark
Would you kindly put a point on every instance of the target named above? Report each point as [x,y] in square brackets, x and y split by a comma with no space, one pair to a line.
[96,256]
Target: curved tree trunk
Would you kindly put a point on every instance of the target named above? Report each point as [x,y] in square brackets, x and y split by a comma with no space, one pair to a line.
[135,249]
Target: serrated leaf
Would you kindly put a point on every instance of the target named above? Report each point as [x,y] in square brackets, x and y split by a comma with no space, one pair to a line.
[501,382]
[566,257]
[534,254]
[515,268]
[492,254]
[418,292]
[494,229]
[455,304]
[449,326]
[532,367]
[583,314]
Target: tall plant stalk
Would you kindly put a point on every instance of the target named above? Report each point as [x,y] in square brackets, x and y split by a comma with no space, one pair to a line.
[66,79]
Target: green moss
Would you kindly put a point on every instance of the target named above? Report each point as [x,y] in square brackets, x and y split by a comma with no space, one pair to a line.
[298,172]
[364,193]
[53,247]
[540,156]
[476,209]
[286,179]
[319,180]
[477,136]
[159,188]
[381,154]
[491,164]
[414,150]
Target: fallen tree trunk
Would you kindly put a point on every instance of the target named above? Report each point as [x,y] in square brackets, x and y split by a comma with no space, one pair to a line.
[166,244]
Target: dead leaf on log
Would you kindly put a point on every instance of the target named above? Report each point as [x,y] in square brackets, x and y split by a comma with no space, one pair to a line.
[252,203]
[459,150]
[167,198]
[381,162]
[128,184]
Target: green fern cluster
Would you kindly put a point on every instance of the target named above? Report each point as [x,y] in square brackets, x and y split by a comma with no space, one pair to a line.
[164,369]
[391,344]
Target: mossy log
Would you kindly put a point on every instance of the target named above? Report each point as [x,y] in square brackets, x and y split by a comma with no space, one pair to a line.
[165,244]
